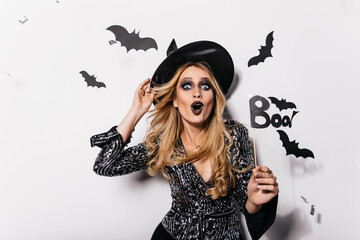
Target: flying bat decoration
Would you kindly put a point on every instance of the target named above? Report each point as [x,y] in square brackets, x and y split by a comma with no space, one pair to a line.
[91,80]
[304,199]
[172,48]
[264,51]
[282,104]
[132,40]
[293,147]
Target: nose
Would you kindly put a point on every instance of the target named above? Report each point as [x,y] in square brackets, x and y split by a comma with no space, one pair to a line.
[197,93]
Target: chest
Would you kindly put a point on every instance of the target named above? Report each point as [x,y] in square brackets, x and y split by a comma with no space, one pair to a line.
[204,169]
[188,190]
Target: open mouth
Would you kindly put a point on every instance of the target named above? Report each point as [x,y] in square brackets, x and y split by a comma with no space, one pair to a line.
[196,107]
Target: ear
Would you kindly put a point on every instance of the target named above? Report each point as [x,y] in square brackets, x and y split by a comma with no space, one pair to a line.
[175,103]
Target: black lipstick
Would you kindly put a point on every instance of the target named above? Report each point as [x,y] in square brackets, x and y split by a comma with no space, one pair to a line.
[197,107]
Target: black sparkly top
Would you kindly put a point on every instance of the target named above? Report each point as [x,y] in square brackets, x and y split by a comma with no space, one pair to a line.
[193,214]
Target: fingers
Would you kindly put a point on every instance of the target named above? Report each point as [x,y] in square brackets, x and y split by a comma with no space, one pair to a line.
[262,175]
[270,180]
[144,83]
[262,169]
[265,179]
[269,188]
[144,87]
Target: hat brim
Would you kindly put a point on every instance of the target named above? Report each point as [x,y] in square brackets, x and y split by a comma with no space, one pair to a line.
[216,56]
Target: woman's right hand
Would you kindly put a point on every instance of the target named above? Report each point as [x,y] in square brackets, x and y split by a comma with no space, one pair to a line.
[142,101]
[143,97]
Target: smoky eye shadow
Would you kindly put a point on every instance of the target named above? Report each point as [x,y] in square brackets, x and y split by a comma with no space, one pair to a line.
[185,82]
[206,81]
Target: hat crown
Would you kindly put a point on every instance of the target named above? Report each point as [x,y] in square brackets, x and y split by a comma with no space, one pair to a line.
[213,54]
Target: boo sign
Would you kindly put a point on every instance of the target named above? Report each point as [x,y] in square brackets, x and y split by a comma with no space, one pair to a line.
[260,118]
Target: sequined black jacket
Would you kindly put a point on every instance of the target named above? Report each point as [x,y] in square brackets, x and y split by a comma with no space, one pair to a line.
[193,214]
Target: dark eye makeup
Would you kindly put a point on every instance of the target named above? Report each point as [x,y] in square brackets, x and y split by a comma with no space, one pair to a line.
[188,84]
[205,85]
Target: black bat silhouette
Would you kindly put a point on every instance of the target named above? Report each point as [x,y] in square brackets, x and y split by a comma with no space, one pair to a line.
[282,104]
[91,80]
[265,51]
[132,40]
[293,147]
[305,200]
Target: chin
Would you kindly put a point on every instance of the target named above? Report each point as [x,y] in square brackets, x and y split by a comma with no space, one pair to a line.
[196,120]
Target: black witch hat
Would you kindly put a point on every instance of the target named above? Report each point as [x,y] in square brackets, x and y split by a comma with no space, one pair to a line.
[216,57]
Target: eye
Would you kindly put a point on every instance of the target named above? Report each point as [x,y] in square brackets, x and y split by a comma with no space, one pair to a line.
[186,86]
[205,86]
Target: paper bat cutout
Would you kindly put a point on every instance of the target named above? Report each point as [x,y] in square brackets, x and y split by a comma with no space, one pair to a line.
[312,210]
[293,147]
[265,51]
[91,80]
[305,200]
[282,104]
[132,40]
[172,48]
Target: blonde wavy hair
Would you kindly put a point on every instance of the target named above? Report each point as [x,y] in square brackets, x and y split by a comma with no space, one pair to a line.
[166,127]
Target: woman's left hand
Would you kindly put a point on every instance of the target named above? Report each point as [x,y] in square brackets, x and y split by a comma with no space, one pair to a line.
[261,188]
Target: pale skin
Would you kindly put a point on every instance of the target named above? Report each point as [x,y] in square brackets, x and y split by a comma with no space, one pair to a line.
[192,86]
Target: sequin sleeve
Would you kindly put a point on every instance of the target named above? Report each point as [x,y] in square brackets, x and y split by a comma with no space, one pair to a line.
[114,158]
[259,222]
[241,157]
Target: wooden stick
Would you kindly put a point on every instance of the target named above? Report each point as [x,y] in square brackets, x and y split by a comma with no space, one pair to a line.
[254,145]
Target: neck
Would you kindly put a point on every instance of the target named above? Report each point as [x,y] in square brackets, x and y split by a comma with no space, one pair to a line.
[192,135]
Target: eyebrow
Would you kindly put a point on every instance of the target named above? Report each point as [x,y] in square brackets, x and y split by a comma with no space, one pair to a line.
[205,79]
[190,79]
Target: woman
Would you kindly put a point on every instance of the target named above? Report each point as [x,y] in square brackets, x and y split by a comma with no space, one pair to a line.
[205,159]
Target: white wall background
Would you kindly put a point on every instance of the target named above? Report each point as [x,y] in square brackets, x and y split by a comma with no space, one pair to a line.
[48,114]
